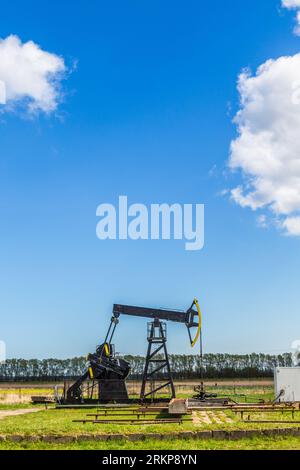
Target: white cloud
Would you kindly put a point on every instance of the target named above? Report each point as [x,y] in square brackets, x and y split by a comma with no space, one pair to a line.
[292,226]
[31,76]
[267,149]
[294,5]
[262,221]
[291,4]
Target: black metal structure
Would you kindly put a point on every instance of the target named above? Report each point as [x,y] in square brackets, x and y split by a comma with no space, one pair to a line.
[104,379]
[157,361]
[106,373]
[105,376]
[179,316]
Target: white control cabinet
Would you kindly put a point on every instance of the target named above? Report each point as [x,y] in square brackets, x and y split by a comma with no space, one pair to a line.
[287,380]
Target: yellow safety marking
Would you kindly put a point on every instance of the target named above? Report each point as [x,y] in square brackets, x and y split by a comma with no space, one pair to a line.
[91,373]
[199,324]
[106,349]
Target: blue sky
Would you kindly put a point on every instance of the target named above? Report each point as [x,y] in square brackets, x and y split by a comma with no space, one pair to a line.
[147,112]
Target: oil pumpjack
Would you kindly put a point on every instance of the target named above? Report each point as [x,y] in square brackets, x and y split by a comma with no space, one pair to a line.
[105,378]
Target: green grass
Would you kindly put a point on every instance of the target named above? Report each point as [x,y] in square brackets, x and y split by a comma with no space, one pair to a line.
[60,422]
[260,443]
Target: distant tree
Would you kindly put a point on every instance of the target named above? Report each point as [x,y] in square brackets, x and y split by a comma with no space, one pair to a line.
[183,367]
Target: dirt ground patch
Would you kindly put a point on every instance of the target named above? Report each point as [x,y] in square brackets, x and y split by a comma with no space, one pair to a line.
[7,413]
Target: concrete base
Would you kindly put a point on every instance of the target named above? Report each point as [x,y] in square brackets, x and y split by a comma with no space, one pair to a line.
[193,404]
[178,407]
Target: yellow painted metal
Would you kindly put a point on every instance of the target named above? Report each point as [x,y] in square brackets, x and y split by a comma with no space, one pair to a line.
[199,322]
[91,373]
[106,349]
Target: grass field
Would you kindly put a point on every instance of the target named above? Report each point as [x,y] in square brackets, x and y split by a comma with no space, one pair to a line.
[60,422]
[54,422]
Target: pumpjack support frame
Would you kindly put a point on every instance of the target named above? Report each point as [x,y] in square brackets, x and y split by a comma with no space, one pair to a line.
[157,361]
